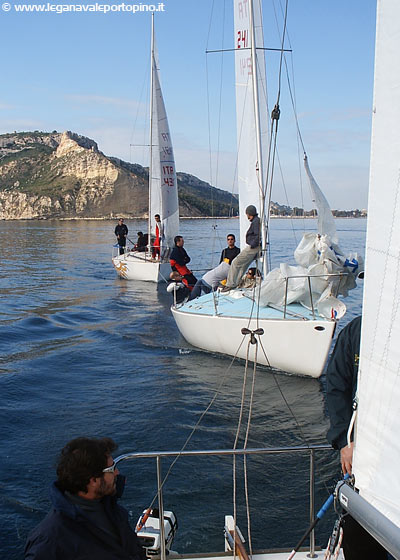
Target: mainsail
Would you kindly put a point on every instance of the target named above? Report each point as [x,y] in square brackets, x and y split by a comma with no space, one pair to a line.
[163,183]
[377,443]
[251,109]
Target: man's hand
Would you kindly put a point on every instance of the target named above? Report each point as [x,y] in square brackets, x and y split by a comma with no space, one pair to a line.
[346,458]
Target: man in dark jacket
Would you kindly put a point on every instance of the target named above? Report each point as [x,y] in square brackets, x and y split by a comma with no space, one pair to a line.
[248,254]
[341,387]
[178,261]
[121,231]
[85,522]
[230,252]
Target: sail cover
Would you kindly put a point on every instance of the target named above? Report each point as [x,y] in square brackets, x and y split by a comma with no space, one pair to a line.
[377,441]
[163,183]
[251,176]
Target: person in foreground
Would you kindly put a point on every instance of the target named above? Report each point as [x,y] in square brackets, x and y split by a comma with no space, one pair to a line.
[248,254]
[341,379]
[85,521]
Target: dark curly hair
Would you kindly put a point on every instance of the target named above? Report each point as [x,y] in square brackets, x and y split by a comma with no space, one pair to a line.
[80,460]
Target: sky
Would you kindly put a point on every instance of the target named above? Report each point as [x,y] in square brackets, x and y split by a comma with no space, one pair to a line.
[88,72]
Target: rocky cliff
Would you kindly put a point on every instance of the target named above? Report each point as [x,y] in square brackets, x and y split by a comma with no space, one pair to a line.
[64,175]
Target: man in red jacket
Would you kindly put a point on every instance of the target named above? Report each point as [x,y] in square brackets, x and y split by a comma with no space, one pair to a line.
[179,259]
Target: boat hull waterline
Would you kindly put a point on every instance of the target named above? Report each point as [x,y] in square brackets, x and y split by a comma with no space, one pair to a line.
[138,268]
[309,341]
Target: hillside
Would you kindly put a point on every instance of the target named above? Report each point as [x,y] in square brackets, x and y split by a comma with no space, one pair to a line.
[64,175]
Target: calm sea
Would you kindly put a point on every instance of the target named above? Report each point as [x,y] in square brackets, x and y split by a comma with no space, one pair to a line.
[86,353]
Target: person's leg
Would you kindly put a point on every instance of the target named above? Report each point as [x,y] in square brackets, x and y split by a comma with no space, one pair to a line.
[239,266]
[206,288]
[358,544]
[191,279]
[196,292]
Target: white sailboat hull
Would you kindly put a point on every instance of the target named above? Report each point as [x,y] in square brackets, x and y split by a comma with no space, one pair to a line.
[137,267]
[292,345]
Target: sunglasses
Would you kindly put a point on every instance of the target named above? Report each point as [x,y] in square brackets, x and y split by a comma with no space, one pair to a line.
[112,468]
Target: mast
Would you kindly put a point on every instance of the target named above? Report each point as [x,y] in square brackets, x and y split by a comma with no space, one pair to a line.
[260,170]
[151,129]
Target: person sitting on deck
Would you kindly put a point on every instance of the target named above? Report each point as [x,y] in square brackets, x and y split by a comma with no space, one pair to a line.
[250,279]
[178,287]
[230,252]
[141,242]
[248,254]
[210,280]
[179,259]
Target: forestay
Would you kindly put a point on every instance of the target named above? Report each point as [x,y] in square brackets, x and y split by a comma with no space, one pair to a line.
[163,183]
[250,165]
[377,442]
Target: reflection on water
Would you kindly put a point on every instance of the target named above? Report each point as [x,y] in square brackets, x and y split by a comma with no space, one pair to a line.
[86,353]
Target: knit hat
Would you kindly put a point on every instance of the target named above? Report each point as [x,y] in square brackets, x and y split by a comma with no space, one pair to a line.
[251,210]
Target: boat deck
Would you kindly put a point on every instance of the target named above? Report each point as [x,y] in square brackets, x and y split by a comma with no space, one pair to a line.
[240,304]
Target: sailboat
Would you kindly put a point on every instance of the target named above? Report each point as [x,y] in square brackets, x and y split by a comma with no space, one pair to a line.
[295,333]
[373,498]
[151,265]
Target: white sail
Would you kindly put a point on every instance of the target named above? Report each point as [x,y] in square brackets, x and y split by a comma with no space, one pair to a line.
[326,221]
[163,183]
[377,442]
[251,175]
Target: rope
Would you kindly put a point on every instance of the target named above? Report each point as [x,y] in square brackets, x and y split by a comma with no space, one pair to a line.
[217,392]
[245,444]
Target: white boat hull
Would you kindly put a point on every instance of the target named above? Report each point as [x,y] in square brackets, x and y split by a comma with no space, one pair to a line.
[292,345]
[133,266]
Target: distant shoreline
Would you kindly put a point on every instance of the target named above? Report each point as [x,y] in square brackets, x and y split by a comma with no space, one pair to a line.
[113,218]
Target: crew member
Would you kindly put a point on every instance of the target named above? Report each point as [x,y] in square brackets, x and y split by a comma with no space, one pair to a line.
[248,254]
[341,387]
[85,521]
[159,237]
[179,259]
[231,251]
[121,231]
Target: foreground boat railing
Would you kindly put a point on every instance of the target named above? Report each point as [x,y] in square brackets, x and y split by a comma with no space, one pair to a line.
[159,455]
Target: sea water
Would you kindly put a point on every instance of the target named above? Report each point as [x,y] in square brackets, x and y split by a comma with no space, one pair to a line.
[85,353]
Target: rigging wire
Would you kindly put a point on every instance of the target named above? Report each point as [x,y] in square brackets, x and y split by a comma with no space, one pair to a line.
[217,392]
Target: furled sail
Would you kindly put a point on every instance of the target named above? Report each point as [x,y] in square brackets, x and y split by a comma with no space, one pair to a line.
[163,183]
[250,166]
[377,443]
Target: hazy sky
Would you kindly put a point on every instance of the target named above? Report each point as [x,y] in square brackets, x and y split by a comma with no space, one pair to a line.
[89,73]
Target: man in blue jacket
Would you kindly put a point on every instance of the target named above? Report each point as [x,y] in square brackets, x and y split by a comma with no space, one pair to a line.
[85,521]
[341,388]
